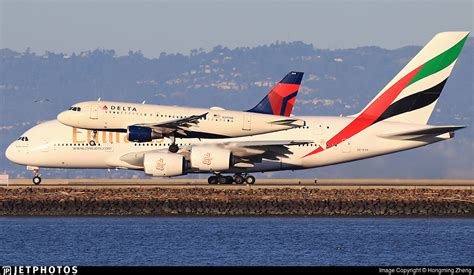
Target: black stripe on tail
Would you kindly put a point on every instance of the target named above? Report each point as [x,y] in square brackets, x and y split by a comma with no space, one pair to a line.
[413,102]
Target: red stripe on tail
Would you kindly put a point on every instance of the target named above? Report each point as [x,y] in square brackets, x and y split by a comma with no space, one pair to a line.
[278,93]
[371,113]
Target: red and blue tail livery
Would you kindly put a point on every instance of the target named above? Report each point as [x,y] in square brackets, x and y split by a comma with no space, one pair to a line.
[280,100]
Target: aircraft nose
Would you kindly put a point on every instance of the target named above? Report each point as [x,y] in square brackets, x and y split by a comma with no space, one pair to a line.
[63,117]
[10,154]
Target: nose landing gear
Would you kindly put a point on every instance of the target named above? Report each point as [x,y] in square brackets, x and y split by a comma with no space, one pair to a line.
[92,141]
[37,175]
[36,180]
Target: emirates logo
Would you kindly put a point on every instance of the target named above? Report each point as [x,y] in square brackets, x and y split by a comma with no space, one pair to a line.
[206,159]
[160,165]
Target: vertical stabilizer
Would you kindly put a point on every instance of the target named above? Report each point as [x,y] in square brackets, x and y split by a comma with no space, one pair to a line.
[412,94]
[281,99]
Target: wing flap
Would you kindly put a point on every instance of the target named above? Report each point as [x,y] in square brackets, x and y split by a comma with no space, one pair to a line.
[268,149]
[175,126]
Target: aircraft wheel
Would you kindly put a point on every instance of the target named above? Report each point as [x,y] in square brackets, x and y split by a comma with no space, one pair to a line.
[250,180]
[92,142]
[238,179]
[173,148]
[222,180]
[229,180]
[212,180]
[36,180]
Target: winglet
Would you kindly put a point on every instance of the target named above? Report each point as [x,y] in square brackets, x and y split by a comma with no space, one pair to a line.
[280,100]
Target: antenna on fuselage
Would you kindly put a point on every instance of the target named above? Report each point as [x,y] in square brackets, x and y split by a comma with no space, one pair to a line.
[143,101]
[99,99]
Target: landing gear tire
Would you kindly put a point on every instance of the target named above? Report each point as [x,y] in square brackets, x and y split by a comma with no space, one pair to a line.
[238,179]
[36,180]
[173,148]
[212,180]
[92,141]
[222,180]
[229,180]
[250,180]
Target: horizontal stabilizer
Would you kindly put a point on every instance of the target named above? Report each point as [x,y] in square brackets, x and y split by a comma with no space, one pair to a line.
[269,143]
[426,131]
[290,122]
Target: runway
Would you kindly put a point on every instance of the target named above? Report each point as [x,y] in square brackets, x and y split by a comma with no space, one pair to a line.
[261,183]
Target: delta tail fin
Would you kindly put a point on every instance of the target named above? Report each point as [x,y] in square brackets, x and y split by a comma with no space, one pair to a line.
[281,99]
[412,95]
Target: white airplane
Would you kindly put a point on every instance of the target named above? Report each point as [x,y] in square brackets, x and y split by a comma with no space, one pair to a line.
[395,120]
[144,123]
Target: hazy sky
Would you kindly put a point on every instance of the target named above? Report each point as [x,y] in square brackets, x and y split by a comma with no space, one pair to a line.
[179,26]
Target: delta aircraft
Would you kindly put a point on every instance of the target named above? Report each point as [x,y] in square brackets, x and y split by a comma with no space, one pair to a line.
[144,123]
[395,120]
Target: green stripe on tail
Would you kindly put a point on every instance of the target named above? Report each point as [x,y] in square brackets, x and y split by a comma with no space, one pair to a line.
[440,62]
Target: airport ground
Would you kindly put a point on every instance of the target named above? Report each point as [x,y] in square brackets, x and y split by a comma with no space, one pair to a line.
[261,183]
[270,197]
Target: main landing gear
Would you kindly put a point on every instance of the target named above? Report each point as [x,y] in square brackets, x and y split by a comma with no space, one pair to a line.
[237,179]
[173,147]
[92,141]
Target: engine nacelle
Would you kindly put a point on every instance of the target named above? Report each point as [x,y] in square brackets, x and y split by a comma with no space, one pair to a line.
[142,134]
[163,164]
[210,158]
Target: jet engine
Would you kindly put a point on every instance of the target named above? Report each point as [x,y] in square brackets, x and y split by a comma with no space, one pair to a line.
[211,158]
[163,164]
[142,134]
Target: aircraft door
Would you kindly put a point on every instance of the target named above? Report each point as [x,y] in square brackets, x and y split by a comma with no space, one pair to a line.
[94,114]
[247,126]
[44,145]
[318,128]
[346,146]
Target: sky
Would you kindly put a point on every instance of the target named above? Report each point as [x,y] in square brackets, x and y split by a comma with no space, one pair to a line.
[179,26]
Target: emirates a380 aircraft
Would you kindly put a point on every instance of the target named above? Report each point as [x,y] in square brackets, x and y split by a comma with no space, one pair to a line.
[395,120]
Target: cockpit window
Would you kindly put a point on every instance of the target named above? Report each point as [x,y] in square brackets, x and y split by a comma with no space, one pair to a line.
[75,109]
[23,138]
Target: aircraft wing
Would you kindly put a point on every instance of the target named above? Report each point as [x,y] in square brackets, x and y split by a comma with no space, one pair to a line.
[271,149]
[175,126]
[255,151]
